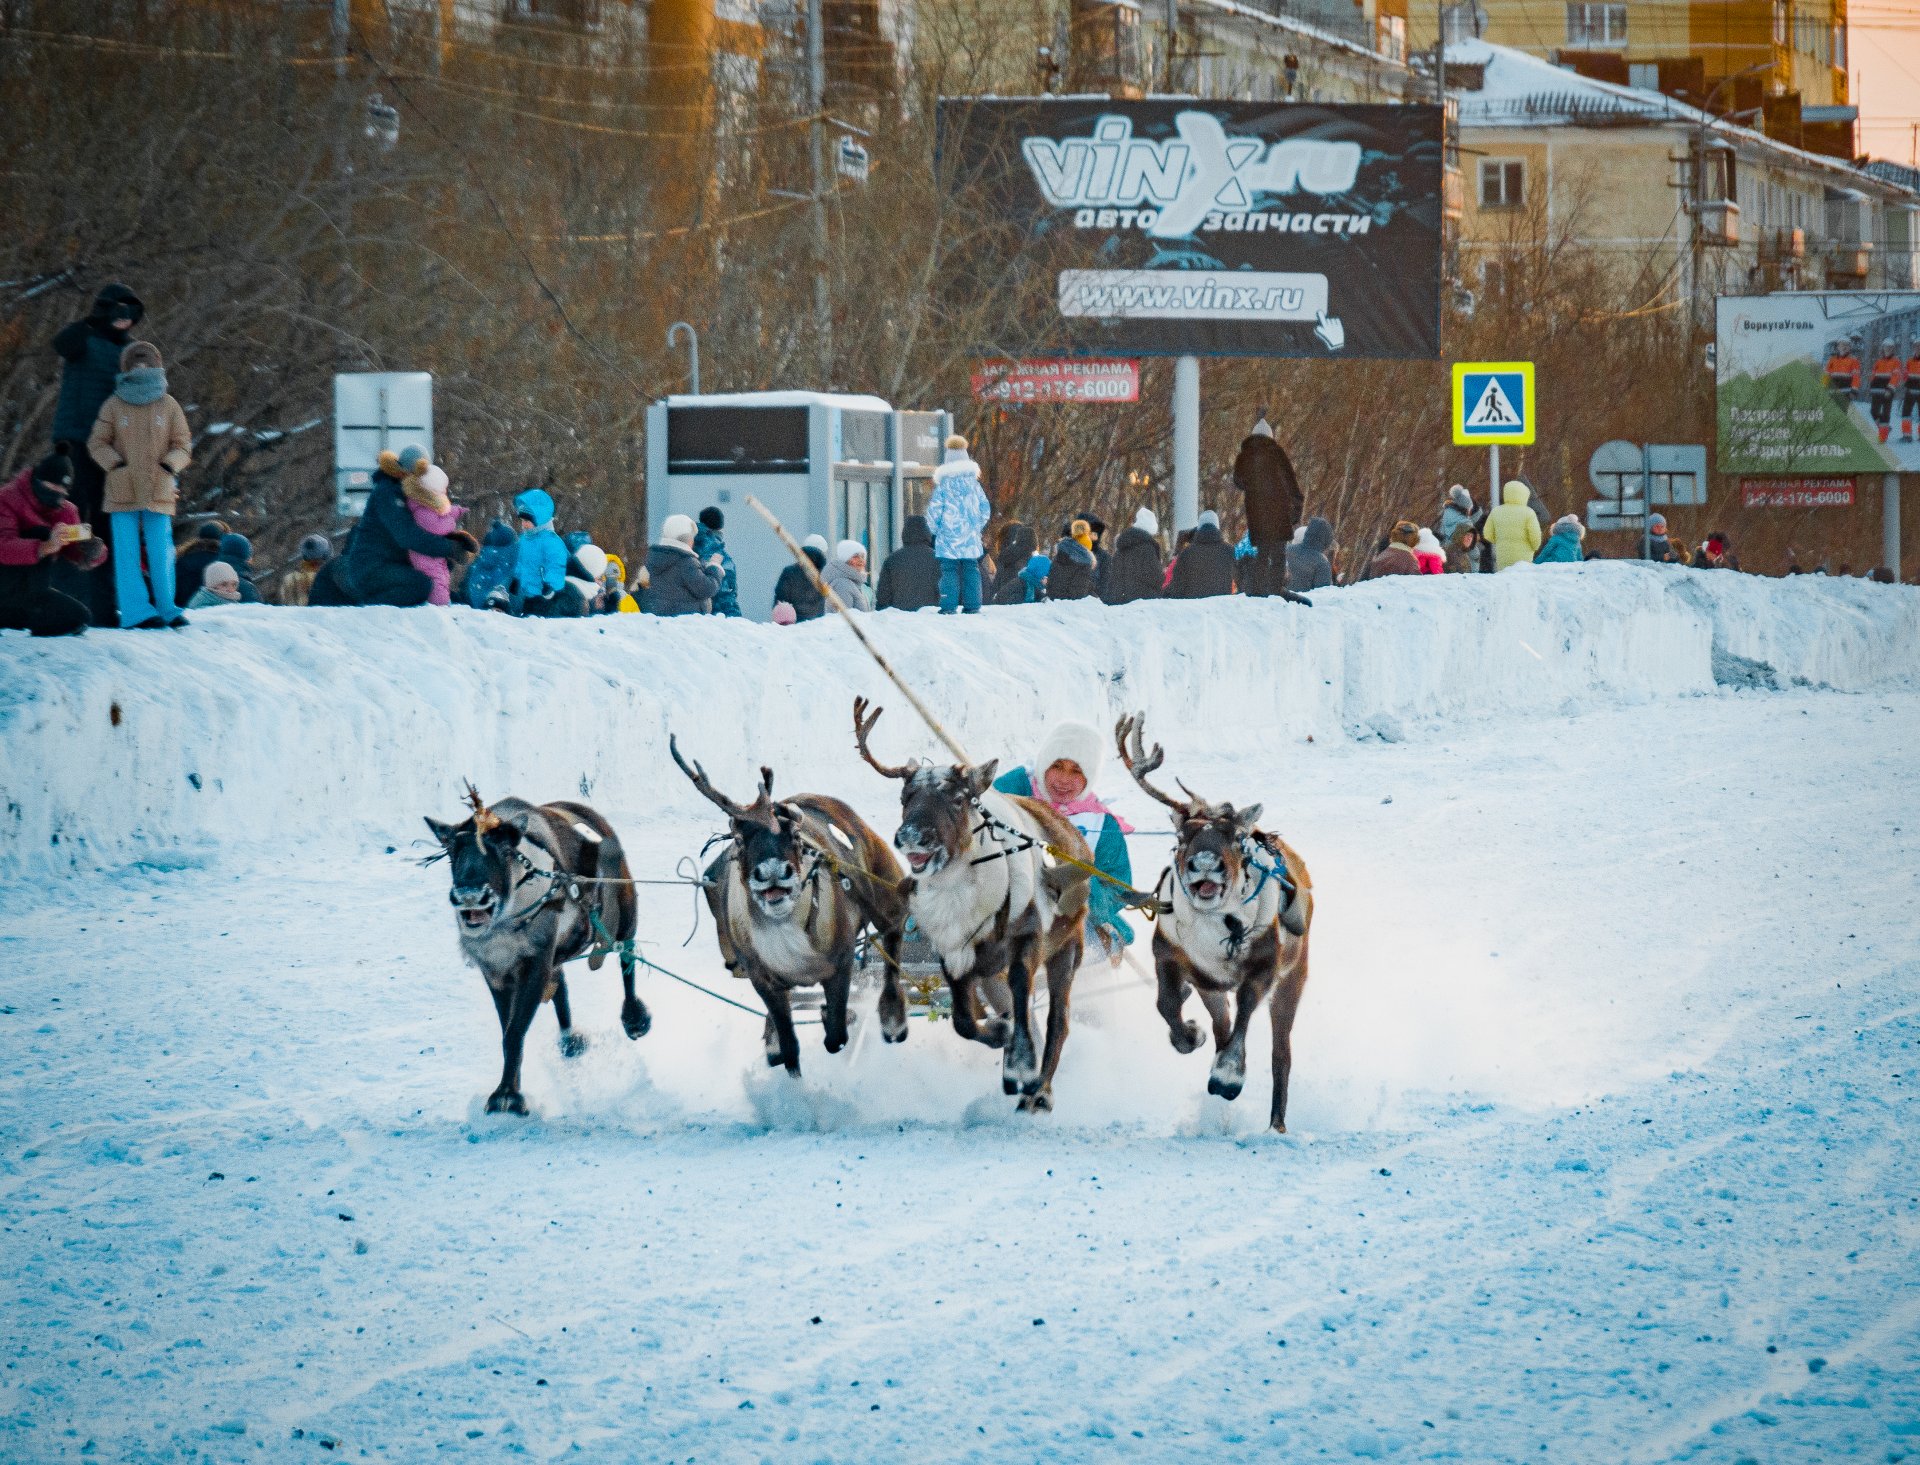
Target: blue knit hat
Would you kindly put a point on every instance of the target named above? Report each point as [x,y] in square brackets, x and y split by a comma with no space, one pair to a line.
[236,549]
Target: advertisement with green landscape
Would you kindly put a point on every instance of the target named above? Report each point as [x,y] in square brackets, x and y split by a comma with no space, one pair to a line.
[1819,383]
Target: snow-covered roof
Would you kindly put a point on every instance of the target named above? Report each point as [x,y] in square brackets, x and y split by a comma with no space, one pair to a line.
[1521,90]
[844,401]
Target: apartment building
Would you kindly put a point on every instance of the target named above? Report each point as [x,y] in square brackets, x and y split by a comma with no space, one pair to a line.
[1779,66]
[1666,191]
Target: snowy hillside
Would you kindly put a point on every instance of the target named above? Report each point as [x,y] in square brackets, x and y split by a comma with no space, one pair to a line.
[1603,1108]
[259,721]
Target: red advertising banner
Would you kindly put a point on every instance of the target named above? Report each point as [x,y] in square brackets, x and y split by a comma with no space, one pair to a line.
[1796,493]
[1057,379]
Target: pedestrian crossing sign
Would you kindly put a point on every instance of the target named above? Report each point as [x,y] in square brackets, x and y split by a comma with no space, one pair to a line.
[1492,402]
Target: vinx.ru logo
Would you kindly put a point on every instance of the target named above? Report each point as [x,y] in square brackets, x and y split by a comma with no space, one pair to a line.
[1187,177]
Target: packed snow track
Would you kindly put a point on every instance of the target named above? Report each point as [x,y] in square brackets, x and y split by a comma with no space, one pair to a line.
[1603,1100]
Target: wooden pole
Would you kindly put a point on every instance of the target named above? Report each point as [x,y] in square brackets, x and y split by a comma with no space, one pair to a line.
[826,591]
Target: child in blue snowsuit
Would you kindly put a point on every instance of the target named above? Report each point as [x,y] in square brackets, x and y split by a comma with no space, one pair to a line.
[1062,778]
[540,561]
[493,569]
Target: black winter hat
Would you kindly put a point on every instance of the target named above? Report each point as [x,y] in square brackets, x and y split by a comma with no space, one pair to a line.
[713,518]
[54,468]
[117,302]
[212,531]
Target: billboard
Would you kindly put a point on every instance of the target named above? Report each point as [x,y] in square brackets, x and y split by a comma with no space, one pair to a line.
[1816,384]
[1201,228]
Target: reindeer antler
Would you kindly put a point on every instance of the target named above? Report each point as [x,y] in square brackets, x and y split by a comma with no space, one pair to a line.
[698,777]
[484,819]
[863,722]
[1129,734]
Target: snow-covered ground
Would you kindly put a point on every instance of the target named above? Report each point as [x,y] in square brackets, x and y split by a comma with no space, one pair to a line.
[1603,1098]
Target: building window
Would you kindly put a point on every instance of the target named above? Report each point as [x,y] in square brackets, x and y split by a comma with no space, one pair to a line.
[1590,24]
[1393,37]
[1840,48]
[1644,76]
[1502,183]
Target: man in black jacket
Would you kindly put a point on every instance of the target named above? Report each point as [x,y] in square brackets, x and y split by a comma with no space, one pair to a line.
[89,351]
[1263,472]
[375,569]
[796,588]
[910,578]
[1205,567]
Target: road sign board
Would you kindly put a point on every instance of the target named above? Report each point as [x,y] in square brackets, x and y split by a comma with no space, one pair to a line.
[1493,402]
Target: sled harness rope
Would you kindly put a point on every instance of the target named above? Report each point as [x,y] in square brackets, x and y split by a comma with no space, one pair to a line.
[1133,899]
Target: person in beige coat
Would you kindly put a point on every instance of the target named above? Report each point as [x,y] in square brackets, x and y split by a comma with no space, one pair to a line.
[140,438]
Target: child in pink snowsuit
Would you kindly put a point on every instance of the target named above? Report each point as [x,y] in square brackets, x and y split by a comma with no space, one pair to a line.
[435,512]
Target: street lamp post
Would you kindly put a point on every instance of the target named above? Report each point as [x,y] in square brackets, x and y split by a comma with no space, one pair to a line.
[693,350]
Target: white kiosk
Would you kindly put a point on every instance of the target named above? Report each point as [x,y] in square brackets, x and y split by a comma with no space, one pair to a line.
[843,467]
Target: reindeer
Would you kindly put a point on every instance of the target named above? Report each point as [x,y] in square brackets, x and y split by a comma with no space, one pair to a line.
[802,878]
[994,909]
[1237,926]
[527,880]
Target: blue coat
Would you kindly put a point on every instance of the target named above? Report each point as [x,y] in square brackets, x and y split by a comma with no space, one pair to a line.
[540,563]
[493,569]
[1109,856]
[707,542]
[1562,548]
[958,510]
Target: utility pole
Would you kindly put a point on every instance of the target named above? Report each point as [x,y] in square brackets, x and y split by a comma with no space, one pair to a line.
[817,102]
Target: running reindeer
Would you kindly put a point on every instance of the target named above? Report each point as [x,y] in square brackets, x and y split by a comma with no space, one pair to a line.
[995,910]
[1240,907]
[528,881]
[799,882]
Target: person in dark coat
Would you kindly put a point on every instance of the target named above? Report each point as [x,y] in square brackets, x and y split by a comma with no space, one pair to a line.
[1263,472]
[190,565]
[89,352]
[1016,545]
[679,583]
[237,550]
[910,578]
[1205,566]
[1076,572]
[1102,556]
[40,524]
[1308,567]
[375,569]
[795,589]
[1136,572]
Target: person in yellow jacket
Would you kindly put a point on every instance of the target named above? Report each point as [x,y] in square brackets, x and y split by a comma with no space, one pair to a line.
[619,602]
[1513,529]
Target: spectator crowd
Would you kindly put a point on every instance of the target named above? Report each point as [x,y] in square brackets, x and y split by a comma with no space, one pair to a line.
[87,534]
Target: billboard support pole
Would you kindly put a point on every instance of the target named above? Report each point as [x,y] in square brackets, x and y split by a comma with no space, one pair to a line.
[1890,524]
[1186,442]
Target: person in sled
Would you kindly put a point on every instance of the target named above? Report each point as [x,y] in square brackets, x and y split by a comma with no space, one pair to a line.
[1062,776]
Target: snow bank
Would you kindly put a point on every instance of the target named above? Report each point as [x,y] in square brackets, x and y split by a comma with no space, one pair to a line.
[262,725]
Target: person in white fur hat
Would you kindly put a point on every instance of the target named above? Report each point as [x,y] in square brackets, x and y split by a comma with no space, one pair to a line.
[1062,776]
[433,509]
[678,584]
[847,574]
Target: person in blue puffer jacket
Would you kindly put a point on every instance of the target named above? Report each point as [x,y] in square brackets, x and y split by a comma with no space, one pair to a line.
[540,561]
[1062,776]
[1563,545]
[710,540]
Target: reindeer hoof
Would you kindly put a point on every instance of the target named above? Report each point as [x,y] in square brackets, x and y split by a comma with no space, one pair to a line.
[506,1103]
[635,1018]
[996,1033]
[1278,1126]
[1036,1103]
[834,1045]
[1185,1039]
[894,1032]
[1009,1084]
[572,1045]
[1226,1088]
[774,1059]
